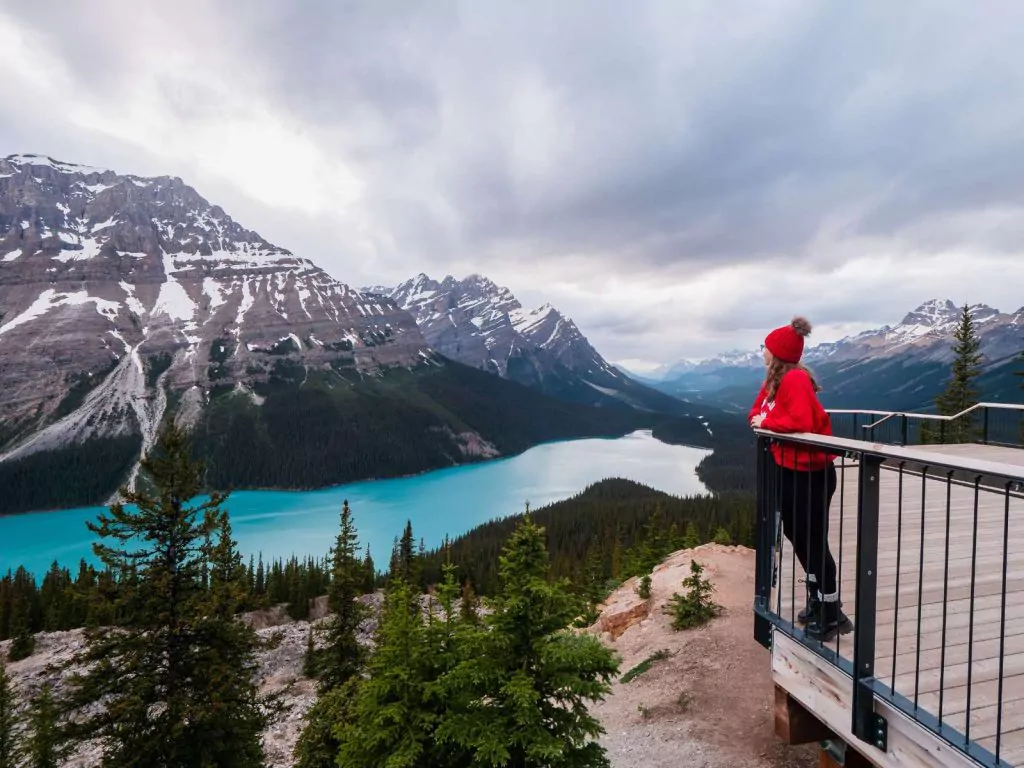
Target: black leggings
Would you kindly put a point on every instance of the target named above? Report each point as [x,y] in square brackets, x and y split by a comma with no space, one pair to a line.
[804,501]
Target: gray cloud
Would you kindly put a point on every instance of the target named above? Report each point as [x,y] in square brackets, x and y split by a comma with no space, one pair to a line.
[593,152]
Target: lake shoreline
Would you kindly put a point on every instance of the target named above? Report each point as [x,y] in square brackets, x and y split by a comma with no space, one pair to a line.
[379,478]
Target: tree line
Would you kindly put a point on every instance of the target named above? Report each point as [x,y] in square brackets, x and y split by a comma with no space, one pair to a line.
[602,536]
[61,601]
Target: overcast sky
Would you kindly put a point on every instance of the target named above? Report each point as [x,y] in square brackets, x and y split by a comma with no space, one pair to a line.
[678,177]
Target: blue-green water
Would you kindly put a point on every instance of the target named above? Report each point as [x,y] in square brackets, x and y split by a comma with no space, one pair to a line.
[445,502]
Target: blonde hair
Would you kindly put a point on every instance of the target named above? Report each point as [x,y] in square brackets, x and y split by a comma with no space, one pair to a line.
[777,369]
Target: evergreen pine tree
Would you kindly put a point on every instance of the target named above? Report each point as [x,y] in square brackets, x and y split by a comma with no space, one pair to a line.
[260,587]
[391,720]
[695,607]
[691,538]
[24,644]
[318,744]
[616,555]
[674,541]
[469,609]
[8,720]
[369,573]
[407,556]
[343,656]
[960,393]
[722,537]
[298,595]
[175,675]
[447,636]
[44,747]
[309,660]
[531,677]
[228,580]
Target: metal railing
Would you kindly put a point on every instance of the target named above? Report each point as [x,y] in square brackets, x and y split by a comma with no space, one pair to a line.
[928,553]
[986,423]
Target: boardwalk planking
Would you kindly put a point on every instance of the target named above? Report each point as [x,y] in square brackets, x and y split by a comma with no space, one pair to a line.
[934,645]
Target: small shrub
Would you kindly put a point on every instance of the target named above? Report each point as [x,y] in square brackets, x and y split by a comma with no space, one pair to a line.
[273,642]
[587,618]
[644,711]
[695,607]
[722,537]
[645,665]
[684,701]
[644,587]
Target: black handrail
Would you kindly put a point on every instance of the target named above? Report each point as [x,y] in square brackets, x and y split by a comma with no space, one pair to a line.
[990,490]
[986,423]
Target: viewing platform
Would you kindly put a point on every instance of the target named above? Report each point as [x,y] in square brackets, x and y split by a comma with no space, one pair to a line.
[929,546]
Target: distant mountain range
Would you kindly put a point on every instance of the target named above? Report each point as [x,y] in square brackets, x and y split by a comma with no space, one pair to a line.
[898,367]
[125,301]
[483,325]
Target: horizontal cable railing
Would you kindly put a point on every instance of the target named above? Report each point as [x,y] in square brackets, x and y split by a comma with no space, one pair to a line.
[986,423]
[904,567]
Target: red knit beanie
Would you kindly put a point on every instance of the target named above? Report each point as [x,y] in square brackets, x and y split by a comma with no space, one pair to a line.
[787,343]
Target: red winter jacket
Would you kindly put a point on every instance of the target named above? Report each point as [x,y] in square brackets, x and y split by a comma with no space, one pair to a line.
[796,408]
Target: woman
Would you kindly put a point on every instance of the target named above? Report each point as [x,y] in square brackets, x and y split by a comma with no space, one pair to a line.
[805,476]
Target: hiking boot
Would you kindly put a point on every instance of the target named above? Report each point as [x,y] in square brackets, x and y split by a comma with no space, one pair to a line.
[812,607]
[826,622]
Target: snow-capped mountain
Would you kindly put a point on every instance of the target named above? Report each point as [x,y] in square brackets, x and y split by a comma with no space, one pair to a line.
[112,286]
[126,301]
[481,324]
[926,333]
[895,366]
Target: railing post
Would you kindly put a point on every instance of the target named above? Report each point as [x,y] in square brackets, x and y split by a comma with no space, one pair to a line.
[866,725]
[903,428]
[984,429]
[765,510]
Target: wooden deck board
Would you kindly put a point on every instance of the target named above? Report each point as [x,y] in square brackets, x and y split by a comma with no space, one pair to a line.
[936,578]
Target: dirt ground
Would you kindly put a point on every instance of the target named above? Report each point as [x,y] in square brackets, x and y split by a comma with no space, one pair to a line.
[709,705]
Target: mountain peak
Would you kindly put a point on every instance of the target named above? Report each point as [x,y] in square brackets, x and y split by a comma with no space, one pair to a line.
[482,324]
[29,159]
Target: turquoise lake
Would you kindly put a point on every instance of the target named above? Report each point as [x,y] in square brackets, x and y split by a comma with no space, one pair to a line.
[443,502]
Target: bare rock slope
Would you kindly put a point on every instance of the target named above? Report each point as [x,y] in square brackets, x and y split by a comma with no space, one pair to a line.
[709,704]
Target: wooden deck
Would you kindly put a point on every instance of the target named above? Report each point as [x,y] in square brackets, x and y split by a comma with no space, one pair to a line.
[926,629]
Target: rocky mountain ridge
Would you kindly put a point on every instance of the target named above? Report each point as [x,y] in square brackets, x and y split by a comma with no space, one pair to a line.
[895,367]
[483,325]
[112,286]
[925,332]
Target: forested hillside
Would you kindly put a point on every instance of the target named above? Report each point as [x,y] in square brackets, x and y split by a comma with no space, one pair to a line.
[611,530]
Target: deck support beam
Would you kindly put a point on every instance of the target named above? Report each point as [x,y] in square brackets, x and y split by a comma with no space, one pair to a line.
[844,757]
[794,724]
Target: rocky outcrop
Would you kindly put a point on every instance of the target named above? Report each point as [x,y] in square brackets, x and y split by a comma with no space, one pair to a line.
[115,289]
